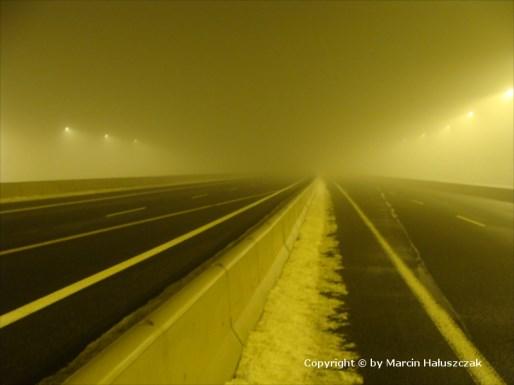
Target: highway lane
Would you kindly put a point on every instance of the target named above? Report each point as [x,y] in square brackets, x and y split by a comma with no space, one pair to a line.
[91,227]
[467,244]
[467,266]
[42,220]
[40,343]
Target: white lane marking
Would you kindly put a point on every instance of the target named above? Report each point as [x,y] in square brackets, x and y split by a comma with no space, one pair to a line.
[124,225]
[417,202]
[199,196]
[465,219]
[38,304]
[125,212]
[80,201]
[463,348]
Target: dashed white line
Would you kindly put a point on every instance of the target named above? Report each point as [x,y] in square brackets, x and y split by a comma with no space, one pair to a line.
[154,190]
[472,221]
[456,338]
[420,203]
[199,196]
[124,225]
[125,212]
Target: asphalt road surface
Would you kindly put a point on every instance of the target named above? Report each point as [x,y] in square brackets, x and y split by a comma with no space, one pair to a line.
[71,268]
[459,247]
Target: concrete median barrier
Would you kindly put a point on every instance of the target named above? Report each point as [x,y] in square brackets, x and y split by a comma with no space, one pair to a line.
[188,340]
[196,337]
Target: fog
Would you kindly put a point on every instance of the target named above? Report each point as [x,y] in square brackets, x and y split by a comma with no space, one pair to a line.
[474,147]
[382,88]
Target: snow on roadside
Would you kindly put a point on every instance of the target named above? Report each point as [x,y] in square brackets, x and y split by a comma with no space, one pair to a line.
[302,318]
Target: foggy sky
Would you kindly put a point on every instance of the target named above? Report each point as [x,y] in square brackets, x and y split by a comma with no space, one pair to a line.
[238,86]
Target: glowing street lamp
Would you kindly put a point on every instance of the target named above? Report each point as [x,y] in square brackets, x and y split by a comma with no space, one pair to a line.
[106,136]
[471,114]
[509,93]
[135,141]
[67,129]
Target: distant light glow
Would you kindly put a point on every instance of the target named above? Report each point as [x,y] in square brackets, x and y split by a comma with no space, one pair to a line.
[423,135]
[106,136]
[67,129]
[135,141]
[471,114]
[509,93]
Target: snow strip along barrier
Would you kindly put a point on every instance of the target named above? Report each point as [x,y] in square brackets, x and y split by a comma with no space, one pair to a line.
[197,336]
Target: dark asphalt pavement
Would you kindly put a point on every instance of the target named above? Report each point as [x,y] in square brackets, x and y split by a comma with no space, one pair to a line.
[460,246]
[48,245]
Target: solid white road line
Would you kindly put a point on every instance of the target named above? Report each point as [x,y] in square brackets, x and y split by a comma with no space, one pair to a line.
[199,196]
[417,202]
[461,345]
[465,219]
[122,226]
[38,304]
[88,200]
[125,212]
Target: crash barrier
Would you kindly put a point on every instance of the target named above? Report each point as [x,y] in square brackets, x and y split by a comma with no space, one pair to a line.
[197,336]
[14,191]
[491,192]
